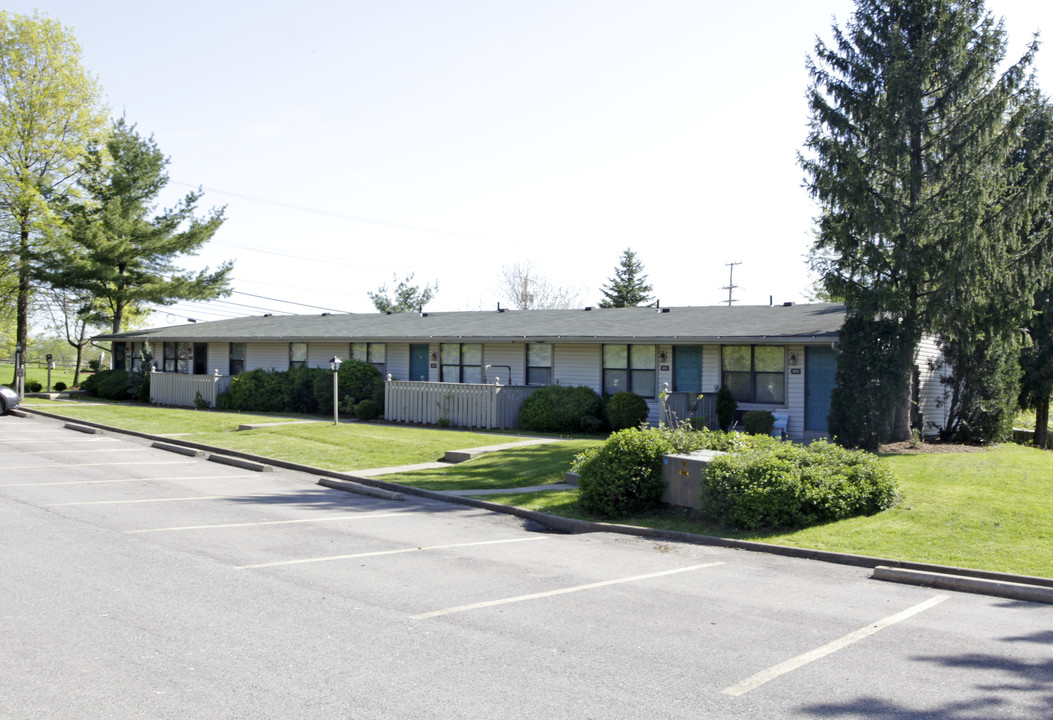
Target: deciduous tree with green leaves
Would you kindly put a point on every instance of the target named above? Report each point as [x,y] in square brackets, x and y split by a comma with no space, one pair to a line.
[120,254]
[912,127]
[407,297]
[628,287]
[50,108]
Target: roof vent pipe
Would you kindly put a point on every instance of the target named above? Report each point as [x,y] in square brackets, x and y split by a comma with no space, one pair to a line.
[787,304]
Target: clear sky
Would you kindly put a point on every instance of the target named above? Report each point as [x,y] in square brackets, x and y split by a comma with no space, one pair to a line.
[355,140]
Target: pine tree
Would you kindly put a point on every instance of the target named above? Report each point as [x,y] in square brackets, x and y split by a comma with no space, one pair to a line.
[911,130]
[628,287]
[116,252]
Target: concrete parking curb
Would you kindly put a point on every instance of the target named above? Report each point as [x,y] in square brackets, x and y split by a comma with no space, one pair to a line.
[980,586]
[1008,585]
[81,428]
[360,489]
[254,465]
[189,452]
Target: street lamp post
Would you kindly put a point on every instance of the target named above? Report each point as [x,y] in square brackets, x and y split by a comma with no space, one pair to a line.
[20,373]
[334,365]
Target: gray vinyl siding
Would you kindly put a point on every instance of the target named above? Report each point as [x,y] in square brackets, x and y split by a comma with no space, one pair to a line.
[218,358]
[396,356]
[710,368]
[319,354]
[267,356]
[795,393]
[932,394]
[574,364]
[505,356]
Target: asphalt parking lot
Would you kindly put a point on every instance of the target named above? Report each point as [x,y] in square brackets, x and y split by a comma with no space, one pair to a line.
[139,583]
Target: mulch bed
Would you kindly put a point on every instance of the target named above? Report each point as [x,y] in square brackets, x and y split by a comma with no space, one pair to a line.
[905,448]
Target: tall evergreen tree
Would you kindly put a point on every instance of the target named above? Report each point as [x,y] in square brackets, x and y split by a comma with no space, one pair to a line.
[628,287]
[119,254]
[912,127]
[1036,358]
[50,107]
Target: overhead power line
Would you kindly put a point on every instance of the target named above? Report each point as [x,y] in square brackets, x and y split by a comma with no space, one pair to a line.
[335,214]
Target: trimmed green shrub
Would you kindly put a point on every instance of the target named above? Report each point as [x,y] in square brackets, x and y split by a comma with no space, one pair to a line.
[624,475]
[626,409]
[60,386]
[305,390]
[726,407]
[368,409]
[356,382]
[35,386]
[561,409]
[223,401]
[788,485]
[143,392]
[758,422]
[112,384]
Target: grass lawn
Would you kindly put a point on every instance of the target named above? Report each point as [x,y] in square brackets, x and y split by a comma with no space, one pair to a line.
[517,467]
[990,510]
[348,446]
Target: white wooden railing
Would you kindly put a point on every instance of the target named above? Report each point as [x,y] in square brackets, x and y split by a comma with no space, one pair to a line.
[459,404]
[182,390]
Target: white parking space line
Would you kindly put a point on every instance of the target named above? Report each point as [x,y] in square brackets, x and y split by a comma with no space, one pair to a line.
[561,591]
[380,553]
[102,464]
[342,518]
[93,451]
[755,681]
[134,479]
[178,499]
[28,438]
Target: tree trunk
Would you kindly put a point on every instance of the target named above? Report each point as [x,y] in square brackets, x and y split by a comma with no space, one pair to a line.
[1042,424]
[901,420]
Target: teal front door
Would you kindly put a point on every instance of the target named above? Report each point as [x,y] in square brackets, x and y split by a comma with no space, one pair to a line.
[687,368]
[820,367]
[418,362]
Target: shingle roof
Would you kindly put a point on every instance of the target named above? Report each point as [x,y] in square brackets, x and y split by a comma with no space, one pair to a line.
[709,323]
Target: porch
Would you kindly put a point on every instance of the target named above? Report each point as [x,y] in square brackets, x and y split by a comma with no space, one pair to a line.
[492,407]
[680,407]
[180,390]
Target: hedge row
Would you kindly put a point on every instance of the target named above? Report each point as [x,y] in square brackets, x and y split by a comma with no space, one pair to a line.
[306,390]
[760,483]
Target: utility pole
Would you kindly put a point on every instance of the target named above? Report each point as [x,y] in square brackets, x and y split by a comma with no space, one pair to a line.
[731,285]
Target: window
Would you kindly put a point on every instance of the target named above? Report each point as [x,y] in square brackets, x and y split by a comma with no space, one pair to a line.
[184,356]
[629,367]
[539,364]
[297,355]
[136,357]
[755,373]
[461,362]
[372,353]
[168,361]
[237,358]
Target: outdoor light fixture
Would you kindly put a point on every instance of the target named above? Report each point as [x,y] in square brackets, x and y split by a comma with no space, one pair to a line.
[334,365]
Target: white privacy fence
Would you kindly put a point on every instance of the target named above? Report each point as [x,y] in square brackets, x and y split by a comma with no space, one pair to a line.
[182,390]
[461,404]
